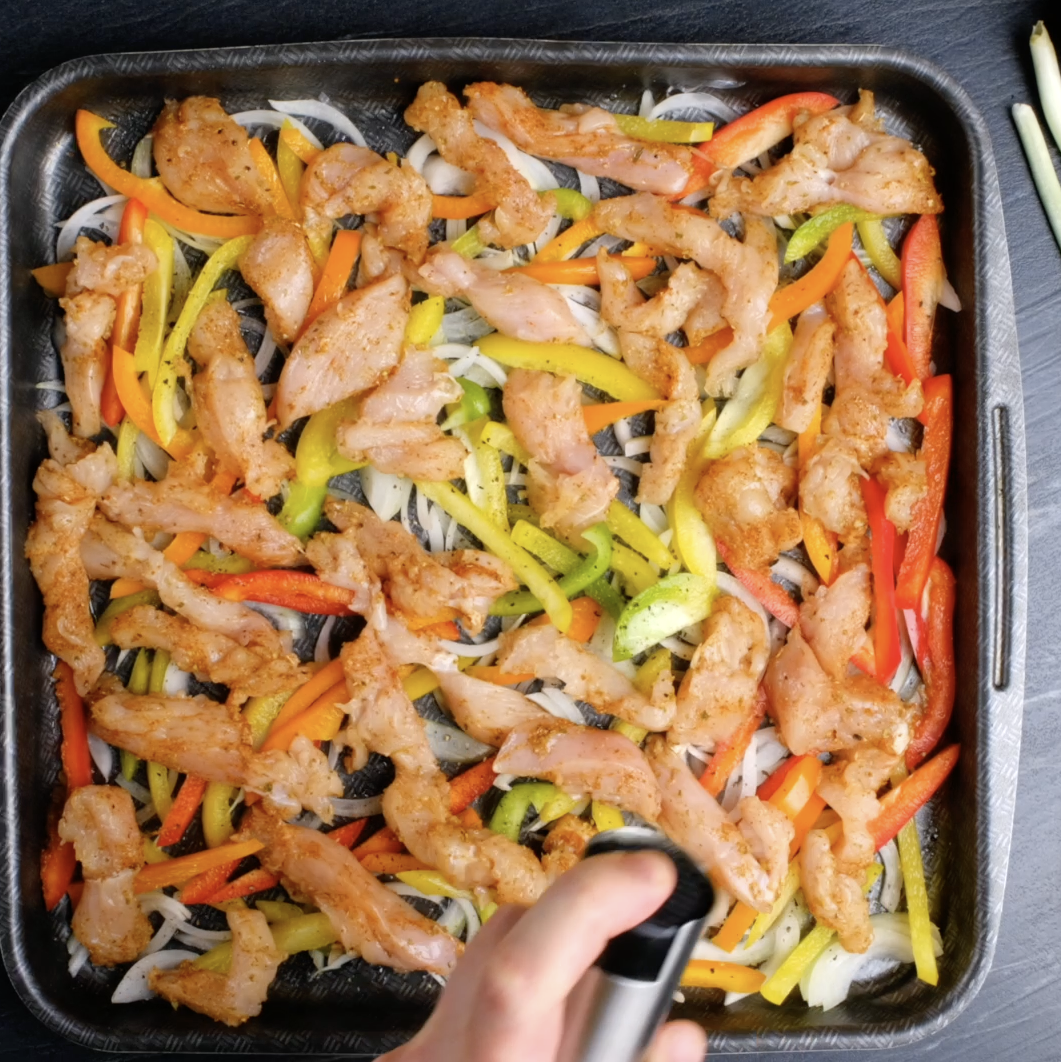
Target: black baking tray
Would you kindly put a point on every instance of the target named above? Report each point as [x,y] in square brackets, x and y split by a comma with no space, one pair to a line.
[369,1010]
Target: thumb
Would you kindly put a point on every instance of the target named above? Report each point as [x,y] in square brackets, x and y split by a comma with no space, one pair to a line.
[678,1041]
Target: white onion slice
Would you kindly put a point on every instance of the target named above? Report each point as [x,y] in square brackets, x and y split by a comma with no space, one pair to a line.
[138,792]
[387,494]
[157,902]
[471,917]
[79,219]
[133,986]
[140,163]
[321,653]
[638,446]
[892,887]
[453,745]
[418,154]
[452,919]
[324,112]
[266,350]
[78,956]
[627,464]
[164,935]
[695,101]
[589,186]
[357,807]
[559,704]
[443,178]
[948,297]
[193,935]
[146,813]
[155,459]
[682,650]
[794,572]
[474,650]
[541,178]
[102,755]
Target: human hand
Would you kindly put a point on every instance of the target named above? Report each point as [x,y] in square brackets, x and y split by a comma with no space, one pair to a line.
[506,999]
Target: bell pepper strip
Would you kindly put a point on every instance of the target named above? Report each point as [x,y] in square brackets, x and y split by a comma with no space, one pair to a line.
[183,868]
[922,270]
[773,782]
[139,679]
[425,319]
[155,301]
[346,835]
[217,813]
[119,605]
[202,888]
[158,781]
[336,273]
[887,647]
[606,817]
[278,198]
[295,142]
[938,666]
[729,976]
[419,683]
[278,910]
[556,808]
[938,418]
[917,904]
[492,673]
[820,546]
[138,406]
[52,278]
[588,570]
[588,366]
[648,673]
[703,352]
[729,752]
[581,270]
[432,883]
[899,805]
[474,404]
[804,822]
[493,493]
[301,512]
[298,702]
[441,629]
[632,529]
[636,574]
[586,618]
[537,580]
[182,811]
[693,542]
[301,591]
[223,564]
[384,840]
[77,762]
[814,285]
[317,458]
[150,190]
[663,130]
[125,450]
[777,987]
[763,128]
[674,603]
[289,166]
[469,244]
[257,880]
[820,227]
[58,864]
[392,863]
[875,244]
[512,809]
[501,437]
[569,241]
[223,259]
[460,207]
[319,722]
[570,203]
[765,919]
[772,596]
[466,787]
[292,935]
[753,406]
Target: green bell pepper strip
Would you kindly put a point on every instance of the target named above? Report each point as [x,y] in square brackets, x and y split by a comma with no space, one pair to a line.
[588,570]
[302,509]
[512,809]
[224,258]
[598,370]
[425,319]
[693,540]
[875,244]
[499,542]
[137,684]
[819,228]
[474,404]
[158,777]
[470,245]
[664,130]
[571,204]
[228,564]
[291,935]
[317,458]
[154,304]
[117,607]
[752,409]
[674,603]
[217,813]
[128,433]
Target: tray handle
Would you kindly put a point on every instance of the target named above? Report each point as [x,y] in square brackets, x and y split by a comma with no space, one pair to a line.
[1003,588]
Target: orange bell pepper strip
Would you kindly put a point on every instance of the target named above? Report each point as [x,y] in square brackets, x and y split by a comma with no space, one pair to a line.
[937,662]
[460,207]
[580,270]
[301,591]
[77,761]
[319,722]
[731,751]
[346,835]
[471,784]
[443,629]
[495,675]
[257,880]
[422,623]
[138,406]
[599,416]
[938,418]
[263,162]
[202,887]
[309,692]
[730,976]
[804,822]
[703,352]
[570,240]
[294,139]
[183,868]
[392,863]
[385,840]
[774,781]
[770,595]
[922,264]
[52,278]
[150,190]
[887,648]
[336,273]
[794,298]
[765,127]
[899,805]
[182,810]
[585,615]
[58,864]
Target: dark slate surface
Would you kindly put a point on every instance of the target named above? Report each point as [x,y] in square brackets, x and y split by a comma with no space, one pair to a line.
[980,42]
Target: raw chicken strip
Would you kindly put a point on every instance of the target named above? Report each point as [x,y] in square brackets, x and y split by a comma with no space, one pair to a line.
[834,898]
[108,270]
[485,710]
[565,845]
[829,488]
[833,620]
[904,477]
[807,369]
[278,265]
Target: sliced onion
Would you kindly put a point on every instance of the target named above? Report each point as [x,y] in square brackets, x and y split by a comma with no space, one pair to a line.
[892,887]
[157,902]
[140,164]
[682,650]
[603,335]
[266,349]
[786,939]
[164,935]
[453,745]
[906,657]
[133,986]
[742,956]
[176,681]
[321,652]
[386,494]
[730,585]
[474,650]
[452,919]
[418,154]
[627,464]
[589,186]
[207,937]
[357,807]
[797,574]
[539,175]
[78,957]
[155,459]
[138,792]
[284,619]
[559,704]
[323,112]
[146,813]
[80,219]
[443,178]
[471,917]
[102,755]
[636,447]
[948,297]
[504,782]
[455,229]
[695,101]
[465,326]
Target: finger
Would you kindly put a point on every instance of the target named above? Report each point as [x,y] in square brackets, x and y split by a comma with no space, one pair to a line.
[534,968]
[679,1041]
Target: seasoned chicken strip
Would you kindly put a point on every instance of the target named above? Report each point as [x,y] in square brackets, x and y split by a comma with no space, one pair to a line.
[829,487]
[545,653]
[520,214]
[228,403]
[63,447]
[833,620]
[397,425]
[108,270]
[587,138]
[238,994]
[337,560]
[566,844]
[569,484]
[834,898]
[100,822]
[204,159]
[89,318]
[485,710]
[582,761]
[347,350]
[807,369]
[368,918]
[422,585]
[279,267]
[904,477]
[516,305]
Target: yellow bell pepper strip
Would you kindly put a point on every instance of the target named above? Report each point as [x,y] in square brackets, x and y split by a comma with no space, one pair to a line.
[752,408]
[512,809]
[813,286]
[155,303]
[632,529]
[281,204]
[223,259]
[636,573]
[649,672]
[425,319]
[290,166]
[571,204]
[586,572]
[557,808]
[693,542]
[138,406]
[570,240]
[704,351]
[470,244]
[875,244]
[153,854]
[606,817]
[116,607]
[765,919]
[663,130]
[820,227]
[460,207]
[432,883]
[492,484]
[819,543]
[474,404]
[297,144]
[292,935]
[498,542]
[674,603]
[729,976]
[226,564]
[581,270]
[917,904]
[217,813]
[317,458]
[278,910]
[336,274]
[52,278]
[150,190]
[158,781]
[419,683]
[179,870]
[598,417]
[502,438]
[260,712]
[138,682]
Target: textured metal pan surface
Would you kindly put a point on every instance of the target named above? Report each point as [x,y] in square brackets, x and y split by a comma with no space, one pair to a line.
[363,1009]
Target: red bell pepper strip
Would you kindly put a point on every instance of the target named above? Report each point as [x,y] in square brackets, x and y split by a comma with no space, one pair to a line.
[58,863]
[471,784]
[938,666]
[257,880]
[384,840]
[346,835]
[769,594]
[938,418]
[182,810]
[773,783]
[301,591]
[731,751]
[77,762]
[899,806]
[887,649]
[202,887]
[922,262]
